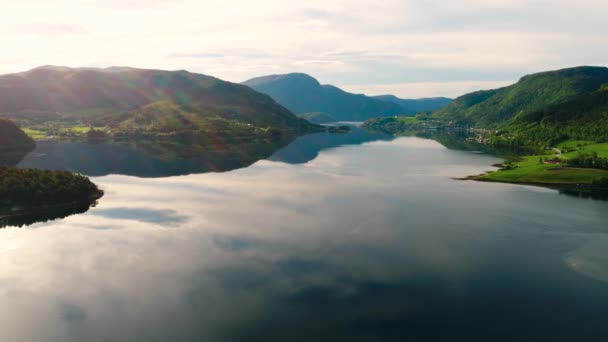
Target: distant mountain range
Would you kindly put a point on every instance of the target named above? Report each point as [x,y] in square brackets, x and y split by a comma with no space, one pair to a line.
[138,101]
[415,106]
[303,95]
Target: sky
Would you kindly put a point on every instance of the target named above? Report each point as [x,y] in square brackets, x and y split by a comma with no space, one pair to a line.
[411,48]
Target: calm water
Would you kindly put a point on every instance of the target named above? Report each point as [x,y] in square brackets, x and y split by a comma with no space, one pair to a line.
[369,242]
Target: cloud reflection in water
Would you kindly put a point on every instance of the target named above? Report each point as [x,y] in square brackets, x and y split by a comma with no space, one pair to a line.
[362,243]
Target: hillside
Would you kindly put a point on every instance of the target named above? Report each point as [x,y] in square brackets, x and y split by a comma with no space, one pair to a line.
[301,94]
[582,118]
[415,106]
[532,93]
[13,138]
[130,101]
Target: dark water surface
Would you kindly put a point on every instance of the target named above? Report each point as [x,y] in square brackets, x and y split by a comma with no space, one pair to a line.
[370,242]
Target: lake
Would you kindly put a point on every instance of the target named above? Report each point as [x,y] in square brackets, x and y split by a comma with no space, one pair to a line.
[343,237]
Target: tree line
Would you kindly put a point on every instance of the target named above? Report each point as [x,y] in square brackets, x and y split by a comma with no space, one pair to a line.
[26,187]
[589,161]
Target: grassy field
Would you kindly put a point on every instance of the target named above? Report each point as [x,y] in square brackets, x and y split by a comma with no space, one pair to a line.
[530,169]
[35,134]
[600,149]
[58,130]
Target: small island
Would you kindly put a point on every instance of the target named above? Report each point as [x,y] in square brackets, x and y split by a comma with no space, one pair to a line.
[34,192]
[26,193]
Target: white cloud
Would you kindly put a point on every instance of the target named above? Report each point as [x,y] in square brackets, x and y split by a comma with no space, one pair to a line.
[356,42]
[41,29]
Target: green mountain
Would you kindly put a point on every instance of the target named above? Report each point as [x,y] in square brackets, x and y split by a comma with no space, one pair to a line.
[533,93]
[128,101]
[415,106]
[584,117]
[13,138]
[302,94]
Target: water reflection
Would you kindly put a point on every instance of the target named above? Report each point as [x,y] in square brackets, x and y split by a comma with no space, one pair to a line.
[308,147]
[160,217]
[458,140]
[17,217]
[8,218]
[12,157]
[461,140]
[157,159]
[143,158]
[596,195]
[373,242]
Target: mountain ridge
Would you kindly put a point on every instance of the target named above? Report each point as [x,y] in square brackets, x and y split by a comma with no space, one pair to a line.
[492,108]
[302,94]
[112,96]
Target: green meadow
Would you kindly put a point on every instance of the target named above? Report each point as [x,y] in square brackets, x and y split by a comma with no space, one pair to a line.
[59,130]
[534,169]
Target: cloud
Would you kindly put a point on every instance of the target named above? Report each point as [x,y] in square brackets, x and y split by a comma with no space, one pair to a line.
[352,42]
[313,13]
[196,55]
[44,29]
[160,217]
[131,4]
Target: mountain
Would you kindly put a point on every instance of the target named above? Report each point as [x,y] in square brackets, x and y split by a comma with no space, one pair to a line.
[532,94]
[415,106]
[12,138]
[302,94]
[138,101]
[584,117]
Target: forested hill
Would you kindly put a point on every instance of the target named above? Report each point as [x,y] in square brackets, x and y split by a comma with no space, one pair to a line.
[129,99]
[13,138]
[582,118]
[532,94]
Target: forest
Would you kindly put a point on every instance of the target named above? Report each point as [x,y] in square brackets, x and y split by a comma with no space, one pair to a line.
[30,187]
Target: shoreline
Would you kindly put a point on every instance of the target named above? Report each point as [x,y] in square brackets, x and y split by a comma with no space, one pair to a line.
[554,186]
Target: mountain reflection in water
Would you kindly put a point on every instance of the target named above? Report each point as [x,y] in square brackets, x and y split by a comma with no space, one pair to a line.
[149,159]
[374,242]
[145,159]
